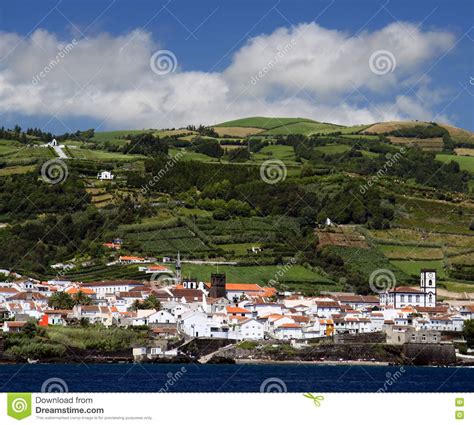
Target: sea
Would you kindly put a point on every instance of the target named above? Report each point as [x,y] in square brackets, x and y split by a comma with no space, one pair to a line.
[232,378]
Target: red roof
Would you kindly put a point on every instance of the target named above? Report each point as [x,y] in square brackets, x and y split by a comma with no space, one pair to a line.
[290,325]
[235,310]
[406,289]
[243,287]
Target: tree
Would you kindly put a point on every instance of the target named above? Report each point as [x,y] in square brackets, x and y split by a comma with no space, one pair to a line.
[151,303]
[61,301]
[81,299]
[136,305]
[468,332]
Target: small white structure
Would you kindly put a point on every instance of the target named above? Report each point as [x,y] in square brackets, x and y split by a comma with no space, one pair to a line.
[105,175]
[53,143]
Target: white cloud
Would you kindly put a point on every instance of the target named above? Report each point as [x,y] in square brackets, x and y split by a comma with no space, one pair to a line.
[305,71]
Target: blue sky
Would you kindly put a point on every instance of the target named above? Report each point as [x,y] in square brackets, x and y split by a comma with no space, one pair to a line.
[213,42]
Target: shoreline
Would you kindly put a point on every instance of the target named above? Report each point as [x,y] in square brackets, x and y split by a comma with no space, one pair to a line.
[316,362]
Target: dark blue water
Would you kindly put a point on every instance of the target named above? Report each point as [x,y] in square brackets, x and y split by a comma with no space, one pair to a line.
[235,378]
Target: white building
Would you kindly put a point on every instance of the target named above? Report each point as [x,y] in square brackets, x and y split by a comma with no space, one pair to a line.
[403,296]
[105,175]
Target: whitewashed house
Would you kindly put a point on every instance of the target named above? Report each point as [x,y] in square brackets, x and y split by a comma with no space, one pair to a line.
[105,175]
[247,329]
[288,331]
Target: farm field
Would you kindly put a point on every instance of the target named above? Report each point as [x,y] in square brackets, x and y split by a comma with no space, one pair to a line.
[397,252]
[254,274]
[14,153]
[191,156]
[264,123]
[465,162]
[17,169]
[281,152]
[415,237]
[464,151]
[434,144]
[366,261]
[332,148]
[97,155]
[306,128]
[104,136]
[237,131]
[435,216]
[413,268]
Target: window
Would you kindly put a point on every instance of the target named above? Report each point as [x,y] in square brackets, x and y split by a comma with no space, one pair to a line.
[413,337]
[423,338]
[409,298]
[402,298]
[417,298]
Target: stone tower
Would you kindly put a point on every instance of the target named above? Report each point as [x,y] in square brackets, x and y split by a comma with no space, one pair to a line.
[217,285]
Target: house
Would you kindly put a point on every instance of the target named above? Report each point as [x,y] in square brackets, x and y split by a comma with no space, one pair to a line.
[112,245]
[155,269]
[237,291]
[195,324]
[247,329]
[165,332]
[13,327]
[327,308]
[289,331]
[89,292]
[111,287]
[130,259]
[55,317]
[160,317]
[238,311]
[105,175]
[408,334]
[467,311]
[7,292]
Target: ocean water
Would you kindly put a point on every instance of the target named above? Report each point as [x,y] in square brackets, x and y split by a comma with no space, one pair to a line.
[233,378]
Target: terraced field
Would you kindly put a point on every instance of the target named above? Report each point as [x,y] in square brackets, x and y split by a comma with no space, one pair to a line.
[237,131]
[435,144]
[435,216]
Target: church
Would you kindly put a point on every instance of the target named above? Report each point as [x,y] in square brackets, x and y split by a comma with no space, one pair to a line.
[403,296]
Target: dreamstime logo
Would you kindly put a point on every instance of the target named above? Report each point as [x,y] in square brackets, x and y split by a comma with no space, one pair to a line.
[54,171]
[160,280]
[382,62]
[392,378]
[54,385]
[273,171]
[382,280]
[163,171]
[19,405]
[273,385]
[163,62]
[63,52]
[391,161]
[173,378]
[282,271]
[273,62]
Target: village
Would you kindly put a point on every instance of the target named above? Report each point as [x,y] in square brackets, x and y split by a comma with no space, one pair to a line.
[172,308]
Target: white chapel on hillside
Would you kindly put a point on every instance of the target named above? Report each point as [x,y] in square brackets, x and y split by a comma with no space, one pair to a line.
[105,175]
